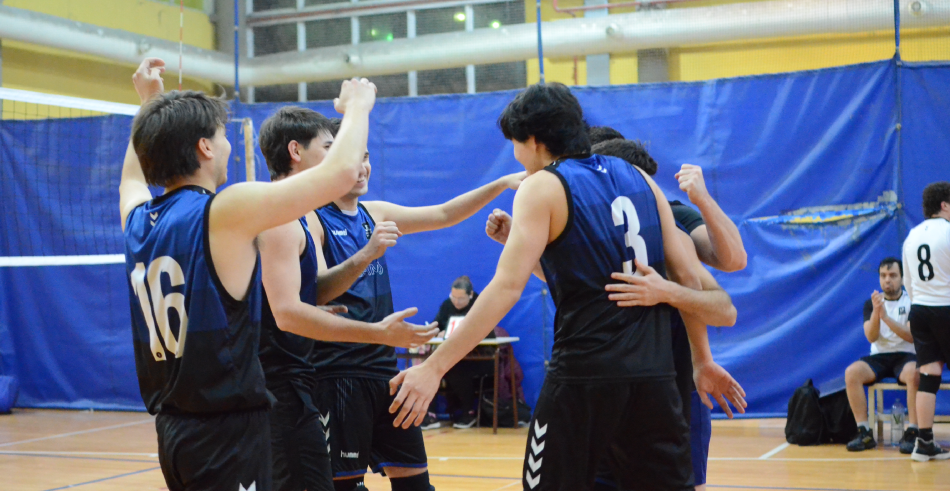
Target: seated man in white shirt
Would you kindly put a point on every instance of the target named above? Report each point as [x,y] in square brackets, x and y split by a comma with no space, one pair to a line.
[892,355]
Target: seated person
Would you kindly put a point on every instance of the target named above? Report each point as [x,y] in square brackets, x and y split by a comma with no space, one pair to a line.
[892,355]
[460,381]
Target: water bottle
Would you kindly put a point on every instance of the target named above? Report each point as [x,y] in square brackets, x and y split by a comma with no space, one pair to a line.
[897,422]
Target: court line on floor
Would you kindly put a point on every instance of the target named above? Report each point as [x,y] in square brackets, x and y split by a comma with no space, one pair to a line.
[781,488]
[506,486]
[71,486]
[53,452]
[75,457]
[774,451]
[740,459]
[455,476]
[73,433]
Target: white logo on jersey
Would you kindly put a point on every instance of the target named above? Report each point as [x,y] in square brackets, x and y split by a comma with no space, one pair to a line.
[341,233]
[154,217]
[252,487]
[600,168]
[374,268]
[532,476]
[350,455]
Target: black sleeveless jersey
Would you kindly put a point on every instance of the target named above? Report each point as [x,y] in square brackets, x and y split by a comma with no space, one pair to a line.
[612,219]
[369,299]
[286,356]
[195,346]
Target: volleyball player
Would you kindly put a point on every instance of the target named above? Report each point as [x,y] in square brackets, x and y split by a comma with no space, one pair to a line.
[610,390]
[927,280]
[195,287]
[352,393]
[292,141]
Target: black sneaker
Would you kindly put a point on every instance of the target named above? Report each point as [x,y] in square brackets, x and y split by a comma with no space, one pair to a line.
[924,451]
[907,442]
[864,440]
[430,422]
[467,420]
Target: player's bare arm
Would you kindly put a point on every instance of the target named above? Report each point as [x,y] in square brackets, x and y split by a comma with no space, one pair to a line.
[241,212]
[335,281]
[718,242]
[540,215]
[280,272]
[498,226]
[711,379]
[425,218]
[872,326]
[133,190]
[712,305]
[902,330]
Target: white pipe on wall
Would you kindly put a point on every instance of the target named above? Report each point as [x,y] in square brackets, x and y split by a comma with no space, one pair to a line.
[562,39]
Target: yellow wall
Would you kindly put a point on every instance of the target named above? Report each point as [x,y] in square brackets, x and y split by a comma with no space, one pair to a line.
[748,58]
[40,69]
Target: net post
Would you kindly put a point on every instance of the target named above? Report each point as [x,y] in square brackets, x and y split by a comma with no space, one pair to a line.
[250,171]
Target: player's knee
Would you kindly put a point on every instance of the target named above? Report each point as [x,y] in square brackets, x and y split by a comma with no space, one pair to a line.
[347,484]
[909,375]
[929,384]
[417,482]
[935,368]
[855,374]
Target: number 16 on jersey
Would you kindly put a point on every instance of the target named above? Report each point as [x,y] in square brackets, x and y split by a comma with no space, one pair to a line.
[155,308]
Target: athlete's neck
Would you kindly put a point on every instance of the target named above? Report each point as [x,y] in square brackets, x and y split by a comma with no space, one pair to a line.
[348,203]
[944,213]
[195,180]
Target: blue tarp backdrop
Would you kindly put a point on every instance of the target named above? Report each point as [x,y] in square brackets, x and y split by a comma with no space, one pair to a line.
[812,166]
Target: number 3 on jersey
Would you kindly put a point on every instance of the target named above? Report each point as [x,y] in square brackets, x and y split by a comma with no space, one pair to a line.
[156,309]
[623,211]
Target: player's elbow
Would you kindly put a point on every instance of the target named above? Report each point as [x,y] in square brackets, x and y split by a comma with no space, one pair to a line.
[286,316]
[728,317]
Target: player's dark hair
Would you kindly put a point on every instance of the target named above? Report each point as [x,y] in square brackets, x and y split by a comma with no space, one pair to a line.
[600,134]
[335,126]
[888,261]
[288,124]
[630,150]
[463,283]
[552,115]
[167,130]
[934,194]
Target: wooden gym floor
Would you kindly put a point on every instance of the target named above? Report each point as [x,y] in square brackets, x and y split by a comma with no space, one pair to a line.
[52,450]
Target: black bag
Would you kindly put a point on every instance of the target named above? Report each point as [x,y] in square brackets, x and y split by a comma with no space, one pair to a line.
[840,426]
[505,412]
[805,424]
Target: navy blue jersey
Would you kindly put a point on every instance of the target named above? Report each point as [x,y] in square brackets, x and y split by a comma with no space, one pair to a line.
[612,219]
[369,299]
[285,356]
[195,345]
[687,219]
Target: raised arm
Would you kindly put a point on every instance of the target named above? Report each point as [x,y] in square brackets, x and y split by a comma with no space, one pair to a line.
[718,243]
[424,218]
[244,210]
[280,273]
[498,226]
[530,234]
[872,325]
[133,190]
[335,281]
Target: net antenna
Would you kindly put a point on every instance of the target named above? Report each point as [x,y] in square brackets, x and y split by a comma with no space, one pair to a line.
[181,37]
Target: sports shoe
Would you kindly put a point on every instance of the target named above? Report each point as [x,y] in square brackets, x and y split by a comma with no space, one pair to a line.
[864,440]
[924,451]
[430,422]
[467,420]
[907,442]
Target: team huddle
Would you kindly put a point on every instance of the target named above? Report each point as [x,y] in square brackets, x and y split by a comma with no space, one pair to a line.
[265,332]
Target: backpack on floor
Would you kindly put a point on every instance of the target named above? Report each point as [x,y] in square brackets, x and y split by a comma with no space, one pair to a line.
[805,424]
[840,426]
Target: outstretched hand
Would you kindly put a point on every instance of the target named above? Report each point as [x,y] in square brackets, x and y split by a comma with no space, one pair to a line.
[498,226]
[417,386]
[645,288]
[402,334]
[148,79]
[710,378]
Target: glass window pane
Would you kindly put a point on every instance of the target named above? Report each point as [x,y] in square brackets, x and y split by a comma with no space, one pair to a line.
[445,81]
[275,39]
[386,85]
[384,27]
[501,76]
[498,14]
[276,93]
[330,32]
[437,21]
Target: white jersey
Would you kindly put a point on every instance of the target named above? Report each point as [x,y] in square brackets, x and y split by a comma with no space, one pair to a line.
[888,341]
[927,263]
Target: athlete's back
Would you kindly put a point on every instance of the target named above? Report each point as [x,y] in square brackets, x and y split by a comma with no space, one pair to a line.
[612,220]
[195,346]
[927,263]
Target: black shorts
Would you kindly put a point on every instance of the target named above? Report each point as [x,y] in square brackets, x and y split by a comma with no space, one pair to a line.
[298,441]
[636,427]
[223,451]
[360,428]
[886,365]
[930,327]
